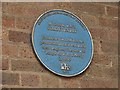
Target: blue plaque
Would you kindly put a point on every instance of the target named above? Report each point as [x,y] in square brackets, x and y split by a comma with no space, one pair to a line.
[62,43]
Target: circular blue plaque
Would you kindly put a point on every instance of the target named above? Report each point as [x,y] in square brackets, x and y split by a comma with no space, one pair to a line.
[62,43]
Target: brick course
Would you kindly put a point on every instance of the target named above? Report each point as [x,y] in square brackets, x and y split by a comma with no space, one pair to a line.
[4,64]
[10,78]
[15,36]
[30,80]
[20,66]
[8,21]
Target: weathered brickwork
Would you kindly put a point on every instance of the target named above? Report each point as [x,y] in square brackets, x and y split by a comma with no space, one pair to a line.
[22,69]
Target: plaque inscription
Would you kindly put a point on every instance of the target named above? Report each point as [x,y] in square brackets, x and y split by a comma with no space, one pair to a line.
[62,43]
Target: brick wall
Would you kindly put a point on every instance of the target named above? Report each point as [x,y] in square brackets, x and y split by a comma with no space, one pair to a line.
[20,67]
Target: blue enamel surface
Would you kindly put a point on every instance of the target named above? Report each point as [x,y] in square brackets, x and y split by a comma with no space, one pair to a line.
[77,64]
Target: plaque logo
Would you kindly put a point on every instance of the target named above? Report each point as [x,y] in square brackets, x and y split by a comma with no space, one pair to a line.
[62,43]
[64,66]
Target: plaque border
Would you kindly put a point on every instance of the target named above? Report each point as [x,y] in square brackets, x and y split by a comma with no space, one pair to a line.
[40,60]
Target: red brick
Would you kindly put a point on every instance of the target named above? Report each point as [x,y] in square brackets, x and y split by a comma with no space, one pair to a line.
[14,8]
[8,21]
[16,36]
[96,46]
[112,11]
[102,59]
[64,5]
[39,67]
[94,70]
[67,6]
[81,7]
[99,33]
[105,34]
[113,35]
[91,8]
[26,52]
[30,80]
[41,7]
[10,50]
[106,60]
[4,64]
[8,7]
[101,71]
[50,81]
[89,20]
[26,9]
[98,83]
[10,78]
[22,65]
[70,82]
[108,22]
[24,23]
[111,72]
[109,47]
[115,61]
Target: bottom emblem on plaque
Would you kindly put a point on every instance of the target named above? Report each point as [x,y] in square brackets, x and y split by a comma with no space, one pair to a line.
[65,67]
